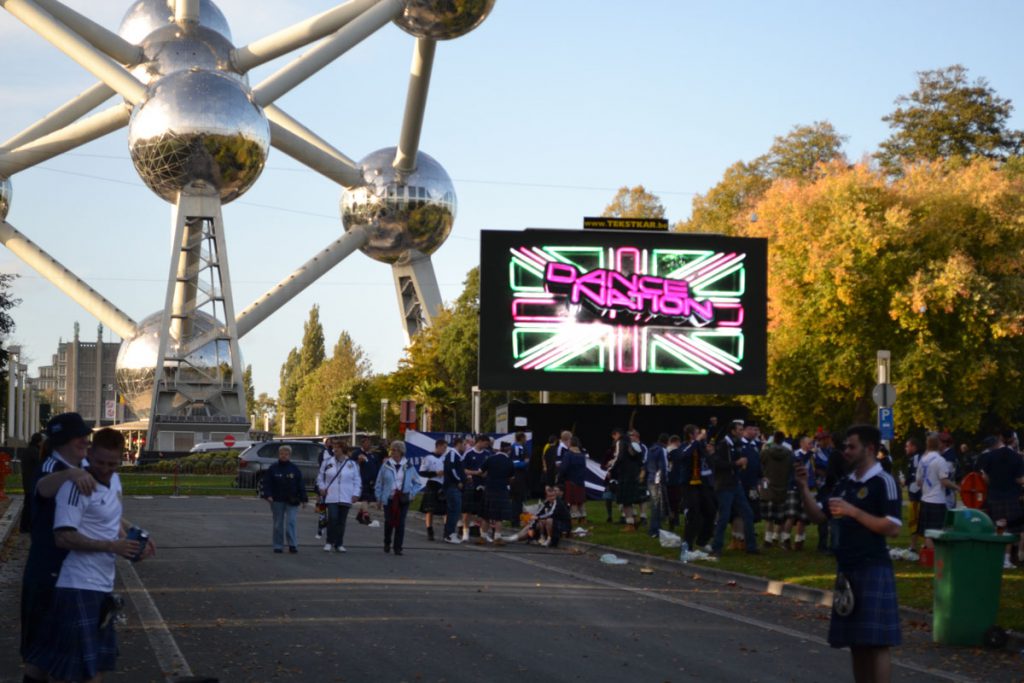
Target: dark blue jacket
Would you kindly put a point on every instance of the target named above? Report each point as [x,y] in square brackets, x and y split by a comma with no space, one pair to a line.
[282,481]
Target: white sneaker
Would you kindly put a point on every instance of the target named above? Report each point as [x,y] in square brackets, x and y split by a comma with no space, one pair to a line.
[1006,562]
[319,536]
[340,549]
[327,547]
[489,538]
[453,539]
[544,542]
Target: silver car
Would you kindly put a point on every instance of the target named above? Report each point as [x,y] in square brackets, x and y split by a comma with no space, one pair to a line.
[306,455]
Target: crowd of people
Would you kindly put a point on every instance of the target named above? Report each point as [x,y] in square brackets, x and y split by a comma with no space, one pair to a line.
[710,481]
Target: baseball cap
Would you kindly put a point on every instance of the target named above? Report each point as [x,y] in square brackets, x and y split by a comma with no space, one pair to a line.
[64,427]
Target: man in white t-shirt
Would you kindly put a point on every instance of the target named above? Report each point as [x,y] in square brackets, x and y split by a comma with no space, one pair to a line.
[933,477]
[79,642]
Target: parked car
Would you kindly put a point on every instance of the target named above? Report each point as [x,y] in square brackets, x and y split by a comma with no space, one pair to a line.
[210,446]
[258,457]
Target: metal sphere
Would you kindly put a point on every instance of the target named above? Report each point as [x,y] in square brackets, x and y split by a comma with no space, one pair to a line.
[400,212]
[135,368]
[443,19]
[146,16]
[6,193]
[199,133]
[172,49]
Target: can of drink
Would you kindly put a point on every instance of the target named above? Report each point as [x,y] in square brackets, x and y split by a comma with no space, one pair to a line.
[142,537]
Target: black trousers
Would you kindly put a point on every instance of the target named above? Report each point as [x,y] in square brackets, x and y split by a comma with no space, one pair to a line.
[394,525]
[337,515]
[700,505]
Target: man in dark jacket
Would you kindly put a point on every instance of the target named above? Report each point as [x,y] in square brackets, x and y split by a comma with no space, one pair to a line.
[728,460]
[284,490]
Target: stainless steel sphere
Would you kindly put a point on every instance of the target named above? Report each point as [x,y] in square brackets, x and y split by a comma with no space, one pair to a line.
[199,133]
[146,16]
[400,213]
[136,362]
[6,192]
[443,19]
[172,49]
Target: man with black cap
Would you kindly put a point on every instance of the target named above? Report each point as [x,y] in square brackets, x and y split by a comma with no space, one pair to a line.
[64,452]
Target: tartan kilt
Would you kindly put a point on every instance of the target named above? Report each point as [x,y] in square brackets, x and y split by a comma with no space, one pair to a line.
[73,647]
[433,499]
[630,492]
[772,512]
[1009,509]
[931,516]
[497,505]
[472,500]
[575,494]
[795,506]
[875,621]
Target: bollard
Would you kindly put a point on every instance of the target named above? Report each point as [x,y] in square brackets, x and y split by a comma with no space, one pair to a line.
[5,469]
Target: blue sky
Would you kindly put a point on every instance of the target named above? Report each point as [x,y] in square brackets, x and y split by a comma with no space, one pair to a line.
[538,116]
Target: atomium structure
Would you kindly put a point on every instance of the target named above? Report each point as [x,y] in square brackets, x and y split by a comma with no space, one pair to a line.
[199,134]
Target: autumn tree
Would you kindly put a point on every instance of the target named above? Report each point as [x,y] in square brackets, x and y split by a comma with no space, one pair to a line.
[249,390]
[332,378]
[927,266]
[634,202]
[948,116]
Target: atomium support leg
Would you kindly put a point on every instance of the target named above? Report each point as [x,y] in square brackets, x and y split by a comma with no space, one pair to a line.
[298,35]
[196,380]
[419,297]
[64,115]
[67,282]
[325,52]
[70,43]
[75,135]
[415,104]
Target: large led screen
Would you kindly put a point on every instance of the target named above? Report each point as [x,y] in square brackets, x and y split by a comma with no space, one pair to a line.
[569,310]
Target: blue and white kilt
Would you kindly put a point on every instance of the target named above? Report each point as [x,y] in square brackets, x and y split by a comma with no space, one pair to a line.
[875,621]
[72,646]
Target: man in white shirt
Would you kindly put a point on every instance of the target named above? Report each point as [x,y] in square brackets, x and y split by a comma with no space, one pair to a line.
[79,642]
[934,477]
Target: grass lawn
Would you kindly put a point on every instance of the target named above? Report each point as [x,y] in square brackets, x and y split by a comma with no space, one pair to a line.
[807,567]
[157,484]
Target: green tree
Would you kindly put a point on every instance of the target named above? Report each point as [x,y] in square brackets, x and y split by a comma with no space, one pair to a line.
[312,353]
[634,202]
[289,381]
[335,376]
[948,116]
[250,391]
[264,405]
[799,155]
[7,302]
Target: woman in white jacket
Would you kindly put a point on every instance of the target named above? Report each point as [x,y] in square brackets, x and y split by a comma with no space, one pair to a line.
[339,485]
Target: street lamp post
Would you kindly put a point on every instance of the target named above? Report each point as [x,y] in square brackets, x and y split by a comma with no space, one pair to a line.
[384,418]
[476,410]
[352,420]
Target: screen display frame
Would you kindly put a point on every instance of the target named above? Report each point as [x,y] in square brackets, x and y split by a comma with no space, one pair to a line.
[745,373]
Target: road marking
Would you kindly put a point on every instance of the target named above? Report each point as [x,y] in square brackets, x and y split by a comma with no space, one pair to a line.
[750,621]
[168,656]
[143,497]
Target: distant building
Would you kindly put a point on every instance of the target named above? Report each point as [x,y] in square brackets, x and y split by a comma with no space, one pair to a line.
[81,379]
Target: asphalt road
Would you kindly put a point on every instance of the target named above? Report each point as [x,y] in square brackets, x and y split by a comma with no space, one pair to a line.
[217,602]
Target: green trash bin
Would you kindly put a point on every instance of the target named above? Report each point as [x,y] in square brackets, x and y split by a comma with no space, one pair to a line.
[968,577]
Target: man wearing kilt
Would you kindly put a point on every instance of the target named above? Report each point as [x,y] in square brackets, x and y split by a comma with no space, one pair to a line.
[1003,470]
[867,507]
[777,466]
[473,492]
[78,642]
[498,472]
[432,469]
